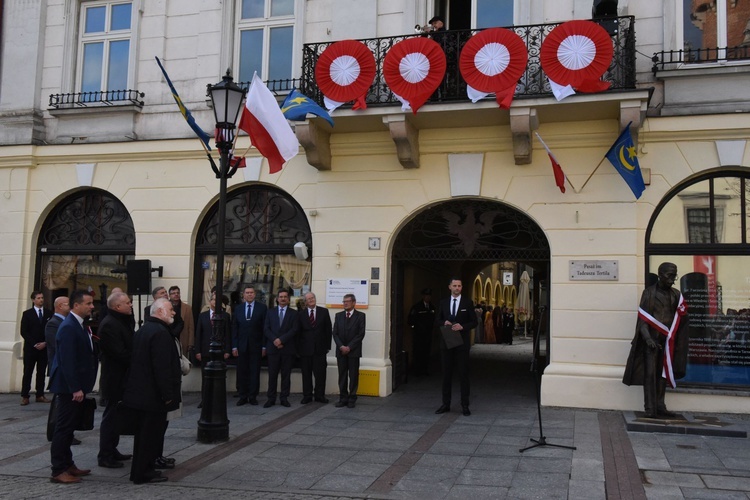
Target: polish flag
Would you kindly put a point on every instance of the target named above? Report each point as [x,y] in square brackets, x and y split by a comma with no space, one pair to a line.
[556,168]
[269,131]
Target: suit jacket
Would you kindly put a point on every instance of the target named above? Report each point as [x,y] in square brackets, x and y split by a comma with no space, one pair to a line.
[247,334]
[32,330]
[116,348]
[349,332]
[50,331]
[75,365]
[286,331]
[314,339]
[465,316]
[203,333]
[157,378]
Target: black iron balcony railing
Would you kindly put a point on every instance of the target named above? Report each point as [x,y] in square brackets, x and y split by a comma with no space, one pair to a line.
[278,87]
[621,73]
[673,59]
[97,99]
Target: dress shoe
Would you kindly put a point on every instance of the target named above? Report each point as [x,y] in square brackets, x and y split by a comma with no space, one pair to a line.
[169,460]
[663,412]
[340,404]
[351,404]
[75,442]
[160,463]
[465,410]
[306,400]
[253,401]
[152,479]
[242,401]
[42,399]
[111,464]
[269,403]
[285,403]
[65,478]
[443,409]
[122,456]
[75,471]
[24,401]
[323,400]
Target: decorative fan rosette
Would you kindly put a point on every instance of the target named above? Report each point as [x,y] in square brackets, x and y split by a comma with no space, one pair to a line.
[414,69]
[492,61]
[575,55]
[344,72]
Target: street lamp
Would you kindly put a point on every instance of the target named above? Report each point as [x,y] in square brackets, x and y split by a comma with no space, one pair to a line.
[213,426]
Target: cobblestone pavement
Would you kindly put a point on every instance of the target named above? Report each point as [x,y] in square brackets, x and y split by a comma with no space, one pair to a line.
[397,448]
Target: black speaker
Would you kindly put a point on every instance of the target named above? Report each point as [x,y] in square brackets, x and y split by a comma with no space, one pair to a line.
[139,277]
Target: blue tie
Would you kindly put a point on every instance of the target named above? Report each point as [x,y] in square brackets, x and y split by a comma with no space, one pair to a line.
[249,312]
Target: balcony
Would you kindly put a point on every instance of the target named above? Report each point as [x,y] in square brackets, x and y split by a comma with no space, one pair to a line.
[450,105]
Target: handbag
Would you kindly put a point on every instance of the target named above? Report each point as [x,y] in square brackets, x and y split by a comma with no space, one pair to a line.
[88,408]
[185,364]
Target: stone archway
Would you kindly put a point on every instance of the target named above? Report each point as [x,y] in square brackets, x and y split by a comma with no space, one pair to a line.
[456,239]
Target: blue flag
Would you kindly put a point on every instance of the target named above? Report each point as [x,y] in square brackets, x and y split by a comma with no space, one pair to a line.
[622,156]
[204,137]
[297,105]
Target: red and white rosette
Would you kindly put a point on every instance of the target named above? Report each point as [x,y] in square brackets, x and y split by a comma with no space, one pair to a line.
[344,72]
[575,55]
[414,69]
[492,61]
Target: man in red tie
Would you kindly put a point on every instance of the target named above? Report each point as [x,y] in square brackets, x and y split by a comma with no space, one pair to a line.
[348,333]
[313,344]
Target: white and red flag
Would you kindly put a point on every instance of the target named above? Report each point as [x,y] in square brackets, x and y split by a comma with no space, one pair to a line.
[269,131]
[556,168]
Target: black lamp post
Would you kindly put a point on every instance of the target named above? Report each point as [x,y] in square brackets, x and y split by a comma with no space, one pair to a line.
[213,426]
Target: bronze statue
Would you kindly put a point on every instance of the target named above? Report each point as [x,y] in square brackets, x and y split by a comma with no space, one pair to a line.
[658,353]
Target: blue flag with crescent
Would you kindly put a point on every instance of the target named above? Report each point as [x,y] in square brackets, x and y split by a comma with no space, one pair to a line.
[204,137]
[622,156]
[297,105]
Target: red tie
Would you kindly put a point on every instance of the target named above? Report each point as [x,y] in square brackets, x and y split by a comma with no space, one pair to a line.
[348,314]
[312,317]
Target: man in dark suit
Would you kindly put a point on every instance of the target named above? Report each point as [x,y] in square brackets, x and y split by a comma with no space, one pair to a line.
[116,346]
[72,376]
[34,348]
[313,344]
[157,293]
[280,331]
[457,312]
[348,333]
[153,389]
[247,345]
[203,333]
[62,309]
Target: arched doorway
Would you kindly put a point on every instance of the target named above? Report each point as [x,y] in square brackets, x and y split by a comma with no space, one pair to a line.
[84,243]
[262,225]
[458,238]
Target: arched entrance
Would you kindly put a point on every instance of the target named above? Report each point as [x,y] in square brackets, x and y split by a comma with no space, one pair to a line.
[459,238]
[84,243]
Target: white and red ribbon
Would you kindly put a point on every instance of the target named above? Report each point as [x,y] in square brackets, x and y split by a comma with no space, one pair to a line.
[667,371]
[414,69]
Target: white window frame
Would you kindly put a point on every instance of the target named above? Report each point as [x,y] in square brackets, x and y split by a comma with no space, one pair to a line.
[266,23]
[107,36]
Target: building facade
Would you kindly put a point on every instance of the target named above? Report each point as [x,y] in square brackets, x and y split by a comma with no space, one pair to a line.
[98,167]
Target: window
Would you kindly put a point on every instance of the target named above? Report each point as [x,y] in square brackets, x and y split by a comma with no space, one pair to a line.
[468,14]
[266,41]
[105,39]
[711,24]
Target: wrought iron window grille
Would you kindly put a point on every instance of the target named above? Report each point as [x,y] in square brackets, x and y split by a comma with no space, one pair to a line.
[100,98]
[677,59]
[533,83]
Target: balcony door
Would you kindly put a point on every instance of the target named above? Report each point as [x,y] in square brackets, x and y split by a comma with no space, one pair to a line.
[469,14]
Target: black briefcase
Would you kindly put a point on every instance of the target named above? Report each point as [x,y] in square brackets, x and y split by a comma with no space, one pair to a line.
[87,415]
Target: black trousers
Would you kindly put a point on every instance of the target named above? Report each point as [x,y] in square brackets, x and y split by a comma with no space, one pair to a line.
[278,363]
[69,414]
[348,378]
[33,358]
[456,359]
[149,437]
[314,367]
[248,372]
[109,437]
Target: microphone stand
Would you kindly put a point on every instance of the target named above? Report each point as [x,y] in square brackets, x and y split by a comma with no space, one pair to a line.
[542,441]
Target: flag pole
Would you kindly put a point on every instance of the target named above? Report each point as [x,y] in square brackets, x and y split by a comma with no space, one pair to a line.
[592,173]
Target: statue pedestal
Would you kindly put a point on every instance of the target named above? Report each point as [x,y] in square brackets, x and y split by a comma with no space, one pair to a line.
[684,423]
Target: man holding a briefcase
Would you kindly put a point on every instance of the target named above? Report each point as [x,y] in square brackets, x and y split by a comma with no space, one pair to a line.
[456,318]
